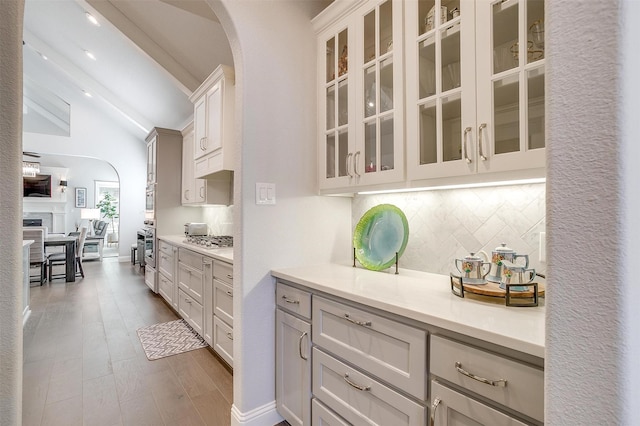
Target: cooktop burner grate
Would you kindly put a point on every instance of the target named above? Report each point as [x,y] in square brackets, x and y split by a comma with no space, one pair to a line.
[210,241]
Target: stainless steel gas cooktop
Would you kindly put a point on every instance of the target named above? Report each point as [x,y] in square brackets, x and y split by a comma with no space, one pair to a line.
[210,241]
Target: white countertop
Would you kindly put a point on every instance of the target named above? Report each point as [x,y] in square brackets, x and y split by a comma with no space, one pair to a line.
[427,298]
[224,254]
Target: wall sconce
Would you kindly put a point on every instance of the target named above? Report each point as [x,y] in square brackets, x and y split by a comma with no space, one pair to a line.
[63,185]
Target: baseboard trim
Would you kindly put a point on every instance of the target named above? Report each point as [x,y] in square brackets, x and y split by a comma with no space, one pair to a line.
[260,416]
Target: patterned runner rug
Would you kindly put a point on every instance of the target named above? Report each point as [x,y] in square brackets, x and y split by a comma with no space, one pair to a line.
[169,338]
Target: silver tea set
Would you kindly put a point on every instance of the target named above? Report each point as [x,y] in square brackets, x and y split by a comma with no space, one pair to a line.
[501,268]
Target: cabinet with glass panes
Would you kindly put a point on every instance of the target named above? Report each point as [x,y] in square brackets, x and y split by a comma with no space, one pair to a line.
[360,95]
[475,103]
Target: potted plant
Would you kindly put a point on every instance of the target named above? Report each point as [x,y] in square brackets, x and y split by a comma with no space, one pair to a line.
[109,210]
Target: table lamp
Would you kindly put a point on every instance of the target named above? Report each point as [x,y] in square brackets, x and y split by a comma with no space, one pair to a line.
[90,215]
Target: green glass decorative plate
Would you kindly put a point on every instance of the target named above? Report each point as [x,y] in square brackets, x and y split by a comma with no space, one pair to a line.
[381,232]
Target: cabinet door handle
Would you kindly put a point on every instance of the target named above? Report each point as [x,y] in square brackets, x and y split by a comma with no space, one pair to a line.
[355,163]
[300,346]
[286,299]
[229,335]
[186,194]
[480,150]
[499,383]
[202,192]
[355,385]
[362,323]
[204,142]
[229,293]
[464,147]
[347,164]
[434,407]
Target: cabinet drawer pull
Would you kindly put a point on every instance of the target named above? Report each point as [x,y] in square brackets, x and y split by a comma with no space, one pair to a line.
[480,150]
[188,301]
[286,299]
[230,276]
[434,407]
[499,383]
[229,335]
[229,293]
[355,385]
[464,147]
[362,323]
[300,346]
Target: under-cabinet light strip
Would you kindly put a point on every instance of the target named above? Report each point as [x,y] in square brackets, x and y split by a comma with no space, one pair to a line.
[460,186]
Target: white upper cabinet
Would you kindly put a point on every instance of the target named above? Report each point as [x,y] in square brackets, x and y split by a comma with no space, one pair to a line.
[474,103]
[214,143]
[360,92]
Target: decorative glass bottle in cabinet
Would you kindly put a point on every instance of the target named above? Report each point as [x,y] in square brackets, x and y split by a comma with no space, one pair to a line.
[475,104]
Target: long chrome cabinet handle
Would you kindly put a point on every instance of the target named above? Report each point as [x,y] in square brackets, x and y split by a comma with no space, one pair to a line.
[300,346]
[355,385]
[362,323]
[499,383]
[347,164]
[480,150]
[355,163]
[434,407]
[286,299]
[466,149]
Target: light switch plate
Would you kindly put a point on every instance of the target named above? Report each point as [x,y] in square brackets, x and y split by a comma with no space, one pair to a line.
[265,193]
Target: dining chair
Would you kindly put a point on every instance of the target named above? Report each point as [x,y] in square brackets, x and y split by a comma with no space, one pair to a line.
[59,258]
[37,256]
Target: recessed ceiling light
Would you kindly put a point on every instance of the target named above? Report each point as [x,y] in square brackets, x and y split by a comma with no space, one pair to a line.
[87,94]
[92,19]
[43,56]
[90,55]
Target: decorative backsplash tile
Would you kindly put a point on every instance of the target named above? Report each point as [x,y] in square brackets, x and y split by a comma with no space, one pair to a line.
[449,224]
[219,219]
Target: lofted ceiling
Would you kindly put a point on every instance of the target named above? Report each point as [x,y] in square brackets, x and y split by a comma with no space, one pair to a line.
[149,57]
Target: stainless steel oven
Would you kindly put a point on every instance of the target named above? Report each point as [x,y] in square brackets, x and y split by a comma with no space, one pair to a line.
[147,245]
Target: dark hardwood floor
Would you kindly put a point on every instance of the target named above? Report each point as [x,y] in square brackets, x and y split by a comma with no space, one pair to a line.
[84,365]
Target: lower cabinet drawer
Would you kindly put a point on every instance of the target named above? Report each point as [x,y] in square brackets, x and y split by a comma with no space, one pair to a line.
[166,288]
[449,407]
[223,340]
[191,311]
[293,299]
[190,281]
[467,366]
[322,416]
[223,301]
[360,399]
[390,350]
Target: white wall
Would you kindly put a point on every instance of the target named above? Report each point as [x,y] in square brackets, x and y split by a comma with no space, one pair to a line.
[276,113]
[96,136]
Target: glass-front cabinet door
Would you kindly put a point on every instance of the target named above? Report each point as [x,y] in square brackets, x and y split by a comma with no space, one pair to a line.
[379,157]
[510,44]
[440,88]
[337,137]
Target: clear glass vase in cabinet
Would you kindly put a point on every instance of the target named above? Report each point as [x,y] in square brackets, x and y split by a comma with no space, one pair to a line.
[379,155]
[337,138]
[441,98]
[510,88]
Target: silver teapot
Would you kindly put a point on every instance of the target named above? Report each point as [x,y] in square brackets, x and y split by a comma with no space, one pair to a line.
[473,269]
[516,274]
[498,256]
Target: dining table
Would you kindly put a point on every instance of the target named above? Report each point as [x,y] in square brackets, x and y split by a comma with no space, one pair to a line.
[69,244]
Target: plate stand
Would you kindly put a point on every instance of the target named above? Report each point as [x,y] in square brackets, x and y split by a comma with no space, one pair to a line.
[354,261]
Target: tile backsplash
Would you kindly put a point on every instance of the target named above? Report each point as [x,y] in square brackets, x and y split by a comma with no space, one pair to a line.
[449,224]
[219,219]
